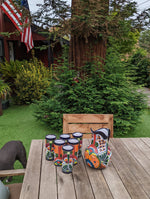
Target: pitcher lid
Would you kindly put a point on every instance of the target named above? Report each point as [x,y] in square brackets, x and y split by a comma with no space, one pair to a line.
[104,132]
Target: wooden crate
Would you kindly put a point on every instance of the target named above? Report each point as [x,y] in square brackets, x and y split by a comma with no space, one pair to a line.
[83,122]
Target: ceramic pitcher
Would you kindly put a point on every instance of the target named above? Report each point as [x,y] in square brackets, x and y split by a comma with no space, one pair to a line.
[97,154]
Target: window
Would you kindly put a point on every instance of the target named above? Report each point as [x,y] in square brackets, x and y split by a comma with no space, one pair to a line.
[11,50]
[1,50]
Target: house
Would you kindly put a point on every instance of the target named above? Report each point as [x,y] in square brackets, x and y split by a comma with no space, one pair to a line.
[11,48]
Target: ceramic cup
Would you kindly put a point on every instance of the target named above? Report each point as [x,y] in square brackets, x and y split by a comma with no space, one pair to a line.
[49,146]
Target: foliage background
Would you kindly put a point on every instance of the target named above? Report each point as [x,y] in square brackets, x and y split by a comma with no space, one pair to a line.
[144,40]
[97,91]
[138,67]
[28,80]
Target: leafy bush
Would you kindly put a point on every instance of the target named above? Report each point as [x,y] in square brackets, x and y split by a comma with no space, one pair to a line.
[4,90]
[30,83]
[9,71]
[28,80]
[98,91]
[139,68]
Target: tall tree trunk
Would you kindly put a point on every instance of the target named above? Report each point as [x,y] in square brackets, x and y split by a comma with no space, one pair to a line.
[82,52]
[92,48]
[1,111]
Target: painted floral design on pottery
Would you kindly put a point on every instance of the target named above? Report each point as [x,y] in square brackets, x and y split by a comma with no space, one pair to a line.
[97,154]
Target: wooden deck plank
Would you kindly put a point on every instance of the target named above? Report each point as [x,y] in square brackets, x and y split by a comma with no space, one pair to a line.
[66,188]
[128,178]
[139,172]
[81,181]
[115,183]
[97,180]
[48,186]
[146,140]
[31,182]
[125,177]
[142,146]
[137,153]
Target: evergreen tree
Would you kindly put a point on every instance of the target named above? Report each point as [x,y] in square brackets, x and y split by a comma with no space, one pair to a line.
[90,23]
[105,91]
[144,40]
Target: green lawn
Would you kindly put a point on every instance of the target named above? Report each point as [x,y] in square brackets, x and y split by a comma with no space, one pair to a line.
[18,123]
[143,127]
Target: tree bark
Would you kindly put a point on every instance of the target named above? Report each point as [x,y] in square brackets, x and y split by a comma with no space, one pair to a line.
[82,52]
[1,111]
[93,48]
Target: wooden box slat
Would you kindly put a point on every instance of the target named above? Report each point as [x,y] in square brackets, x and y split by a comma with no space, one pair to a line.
[88,118]
[83,122]
[85,128]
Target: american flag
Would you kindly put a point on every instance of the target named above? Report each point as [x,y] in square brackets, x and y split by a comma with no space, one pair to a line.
[11,10]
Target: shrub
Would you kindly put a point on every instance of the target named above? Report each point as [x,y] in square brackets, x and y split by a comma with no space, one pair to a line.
[28,79]
[98,91]
[139,68]
[9,71]
[31,82]
[4,90]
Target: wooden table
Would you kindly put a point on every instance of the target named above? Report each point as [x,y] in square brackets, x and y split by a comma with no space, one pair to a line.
[127,176]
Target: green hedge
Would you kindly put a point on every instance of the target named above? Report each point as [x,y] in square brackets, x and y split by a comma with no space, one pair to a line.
[106,91]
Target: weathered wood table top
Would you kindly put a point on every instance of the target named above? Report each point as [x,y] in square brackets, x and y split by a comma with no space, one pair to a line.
[127,176]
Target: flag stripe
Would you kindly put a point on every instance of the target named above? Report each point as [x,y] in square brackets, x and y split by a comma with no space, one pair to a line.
[13,7]
[16,17]
[11,12]
[27,36]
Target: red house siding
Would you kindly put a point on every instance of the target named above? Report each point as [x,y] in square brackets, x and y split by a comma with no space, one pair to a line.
[20,51]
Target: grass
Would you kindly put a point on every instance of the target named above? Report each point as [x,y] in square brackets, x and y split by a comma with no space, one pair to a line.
[143,128]
[19,123]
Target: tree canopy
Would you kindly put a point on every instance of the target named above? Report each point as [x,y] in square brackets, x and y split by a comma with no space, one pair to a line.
[92,17]
[144,40]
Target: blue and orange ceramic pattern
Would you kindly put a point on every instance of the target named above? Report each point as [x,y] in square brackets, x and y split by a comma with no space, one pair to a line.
[58,152]
[97,154]
[49,146]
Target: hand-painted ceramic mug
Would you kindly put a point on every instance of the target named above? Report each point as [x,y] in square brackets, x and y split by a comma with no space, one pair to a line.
[75,143]
[67,164]
[79,136]
[58,152]
[49,146]
[65,137]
